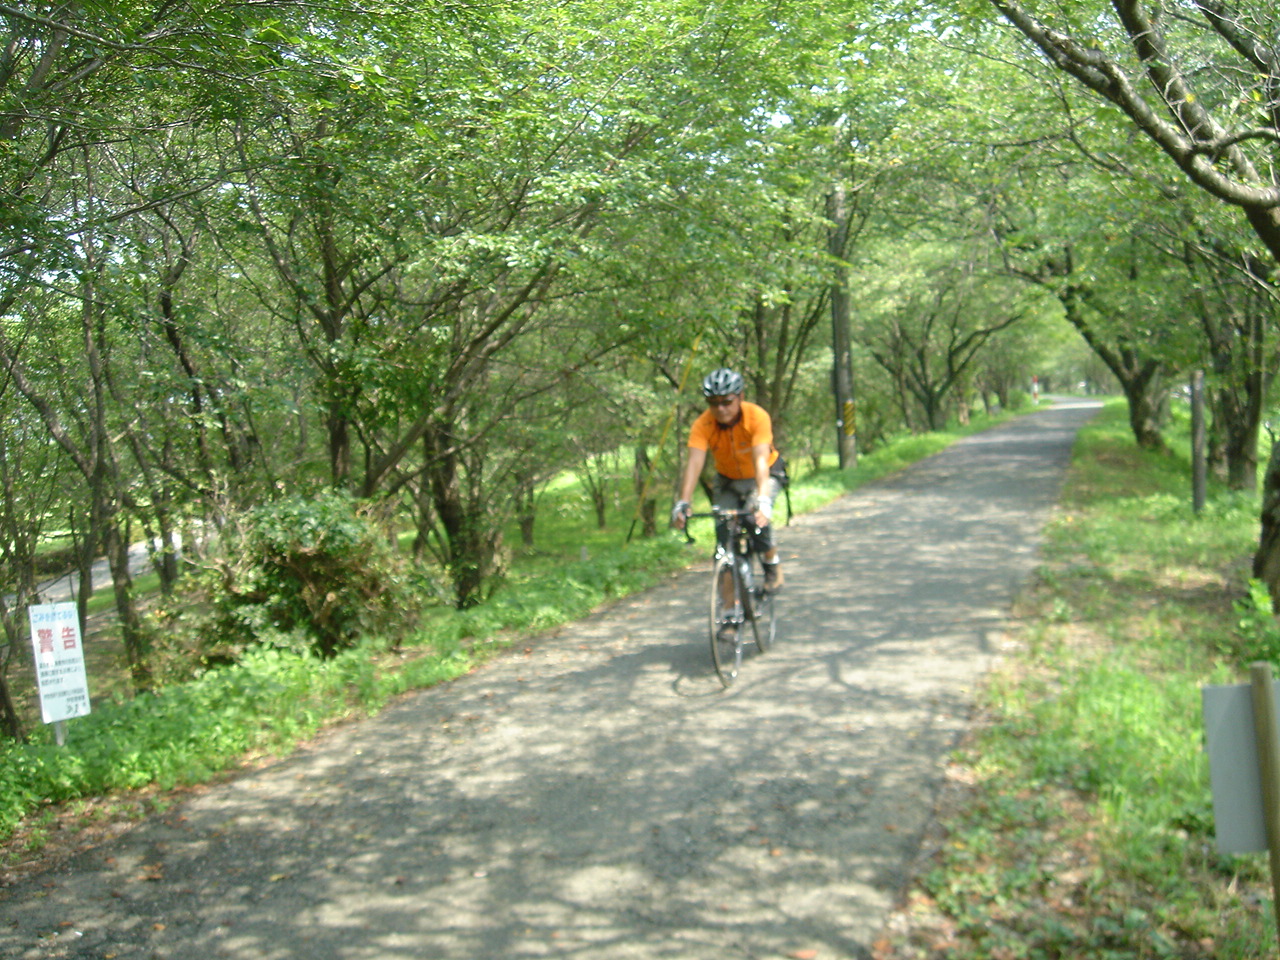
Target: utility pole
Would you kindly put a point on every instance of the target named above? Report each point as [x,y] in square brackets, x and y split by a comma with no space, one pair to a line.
[841,348]
[1199,464]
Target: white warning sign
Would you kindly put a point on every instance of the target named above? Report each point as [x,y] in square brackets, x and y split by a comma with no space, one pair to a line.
[55,638]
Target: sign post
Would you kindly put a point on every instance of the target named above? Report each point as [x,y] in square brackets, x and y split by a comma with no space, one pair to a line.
[59,659]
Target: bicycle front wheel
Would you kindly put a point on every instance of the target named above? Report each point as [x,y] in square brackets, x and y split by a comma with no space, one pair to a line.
[725,622]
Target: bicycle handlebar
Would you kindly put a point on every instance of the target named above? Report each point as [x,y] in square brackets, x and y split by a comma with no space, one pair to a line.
[717,513]
[720,512]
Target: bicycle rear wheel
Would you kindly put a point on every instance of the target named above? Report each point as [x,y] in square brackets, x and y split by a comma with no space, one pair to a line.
[764,623]
[725,622]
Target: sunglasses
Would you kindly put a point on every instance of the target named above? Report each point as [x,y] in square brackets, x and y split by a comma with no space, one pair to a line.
[720,401]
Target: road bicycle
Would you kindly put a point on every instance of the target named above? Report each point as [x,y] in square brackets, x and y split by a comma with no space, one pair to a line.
[738,594]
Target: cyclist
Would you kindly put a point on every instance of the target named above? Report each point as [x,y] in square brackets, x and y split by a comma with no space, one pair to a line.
[749,471]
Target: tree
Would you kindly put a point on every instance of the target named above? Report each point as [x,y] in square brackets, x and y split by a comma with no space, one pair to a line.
[1201,87]
[936,314]
[1085,215]
[31,486]
[1237,317]
[80,86]
[1200,82]
[75,76]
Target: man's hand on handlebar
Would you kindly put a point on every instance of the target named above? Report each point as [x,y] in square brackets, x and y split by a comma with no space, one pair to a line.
[680,514]
[764,513]
[761,511]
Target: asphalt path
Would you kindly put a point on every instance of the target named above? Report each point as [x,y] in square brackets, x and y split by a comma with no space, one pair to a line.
[595,793]
[65,588]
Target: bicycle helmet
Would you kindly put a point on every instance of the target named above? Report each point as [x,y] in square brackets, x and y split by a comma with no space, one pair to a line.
[722,383]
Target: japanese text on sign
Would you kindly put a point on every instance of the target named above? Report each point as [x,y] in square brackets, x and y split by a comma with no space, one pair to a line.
[55,638]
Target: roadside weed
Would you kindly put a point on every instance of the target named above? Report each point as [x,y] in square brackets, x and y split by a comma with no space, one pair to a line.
[1257,629]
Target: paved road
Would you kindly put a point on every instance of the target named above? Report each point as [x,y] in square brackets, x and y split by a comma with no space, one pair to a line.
[596,794]
[65,588]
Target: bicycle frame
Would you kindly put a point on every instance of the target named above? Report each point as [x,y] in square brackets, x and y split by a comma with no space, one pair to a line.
[737,529]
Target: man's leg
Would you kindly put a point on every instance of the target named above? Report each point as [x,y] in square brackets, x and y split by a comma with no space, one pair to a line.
[767,544]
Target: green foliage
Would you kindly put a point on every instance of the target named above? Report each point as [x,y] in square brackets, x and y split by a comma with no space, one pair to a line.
[574,589]
[1088,735]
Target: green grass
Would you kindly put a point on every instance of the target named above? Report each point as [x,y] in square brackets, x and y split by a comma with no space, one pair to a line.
[192,732]
[1088,831]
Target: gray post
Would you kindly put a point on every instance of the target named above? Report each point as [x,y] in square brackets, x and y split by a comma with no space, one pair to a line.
[1268,735]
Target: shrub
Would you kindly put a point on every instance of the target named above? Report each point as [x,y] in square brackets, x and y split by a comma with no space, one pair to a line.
[303,575]
[1019,400]
[1257,634]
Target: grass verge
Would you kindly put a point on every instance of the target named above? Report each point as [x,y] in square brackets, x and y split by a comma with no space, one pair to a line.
[1077,820]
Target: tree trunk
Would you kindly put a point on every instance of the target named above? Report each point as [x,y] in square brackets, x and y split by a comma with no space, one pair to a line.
[1266,560]
[600,502]
[15,636]
[1236,432]
[526,507]
[339,432]
[85,543]
[1144,413]
[136,648]
[9,713]
[935,414]
[167,562]
[1139,374]
[1242,368]
[424,512]
[841,334]
[648,505]
[471,538]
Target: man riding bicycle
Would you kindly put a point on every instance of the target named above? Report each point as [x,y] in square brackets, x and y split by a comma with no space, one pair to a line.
[749,472]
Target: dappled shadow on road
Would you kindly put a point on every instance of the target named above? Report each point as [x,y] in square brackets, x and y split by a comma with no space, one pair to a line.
[596,793]
[471,828]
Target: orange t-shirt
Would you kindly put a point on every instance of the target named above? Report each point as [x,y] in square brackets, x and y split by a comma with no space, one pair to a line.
[731,446]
